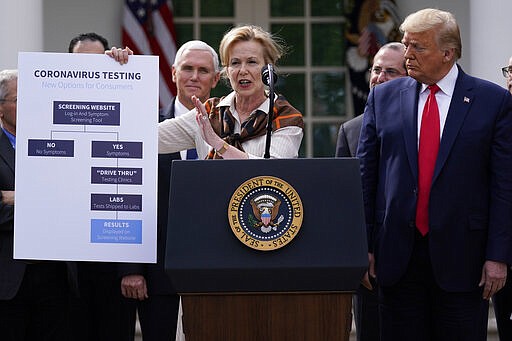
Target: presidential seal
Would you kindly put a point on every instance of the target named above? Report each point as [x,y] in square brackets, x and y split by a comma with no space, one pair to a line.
[265,213]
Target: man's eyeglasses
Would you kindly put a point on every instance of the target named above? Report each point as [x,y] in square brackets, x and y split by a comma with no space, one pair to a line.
[14,100]
[506,71]
[390,72]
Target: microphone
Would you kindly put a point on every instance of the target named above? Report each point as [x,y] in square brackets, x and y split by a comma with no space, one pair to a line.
[269,78]
[268,75]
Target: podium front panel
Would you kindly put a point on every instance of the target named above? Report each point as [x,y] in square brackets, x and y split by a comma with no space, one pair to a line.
[328,254]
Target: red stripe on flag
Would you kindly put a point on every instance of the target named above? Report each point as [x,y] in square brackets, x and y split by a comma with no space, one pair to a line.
[127,41]
[165,67]
[169,21]
[138,38]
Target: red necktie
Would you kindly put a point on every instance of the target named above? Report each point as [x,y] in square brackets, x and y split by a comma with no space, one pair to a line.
[427,155]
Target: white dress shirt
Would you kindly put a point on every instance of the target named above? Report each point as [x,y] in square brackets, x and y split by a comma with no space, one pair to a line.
[443,98]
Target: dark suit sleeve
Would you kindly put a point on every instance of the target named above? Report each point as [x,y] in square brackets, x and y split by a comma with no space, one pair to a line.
[6,182]
[499,242]
[342,149]
[125,269]
[348,137]
[6,217]
[6,213]
[368,153]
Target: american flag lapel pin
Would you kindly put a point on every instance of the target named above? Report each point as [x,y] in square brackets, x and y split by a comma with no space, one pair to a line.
[466,99]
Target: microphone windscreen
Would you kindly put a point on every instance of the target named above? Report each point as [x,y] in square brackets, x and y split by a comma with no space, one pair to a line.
[266,72]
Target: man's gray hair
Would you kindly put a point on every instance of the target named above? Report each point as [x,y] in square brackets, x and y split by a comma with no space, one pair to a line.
[6,76]
[394,45]
[196,45]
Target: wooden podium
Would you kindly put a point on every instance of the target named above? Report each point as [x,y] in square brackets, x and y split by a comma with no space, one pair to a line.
[269,317]
[301,291]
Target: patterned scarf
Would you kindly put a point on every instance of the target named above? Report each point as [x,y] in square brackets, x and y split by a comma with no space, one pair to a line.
[223,122]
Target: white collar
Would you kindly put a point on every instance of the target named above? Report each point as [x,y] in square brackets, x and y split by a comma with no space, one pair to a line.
[447,83]
[179,108]
[229,101]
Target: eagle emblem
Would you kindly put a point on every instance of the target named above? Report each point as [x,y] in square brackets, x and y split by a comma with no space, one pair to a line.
[265,209]
[265,213]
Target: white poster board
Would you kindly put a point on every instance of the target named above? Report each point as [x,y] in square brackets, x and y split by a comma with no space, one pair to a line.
[86,158]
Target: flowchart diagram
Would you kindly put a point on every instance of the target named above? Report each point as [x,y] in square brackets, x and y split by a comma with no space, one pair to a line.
[103,114]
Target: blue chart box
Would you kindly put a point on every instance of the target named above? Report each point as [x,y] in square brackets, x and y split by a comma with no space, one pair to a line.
[117,149]
[115,175]
[116,231]
[59,148]
[116,202]
[86,113]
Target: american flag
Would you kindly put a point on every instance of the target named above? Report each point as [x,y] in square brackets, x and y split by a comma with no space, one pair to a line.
[148,28]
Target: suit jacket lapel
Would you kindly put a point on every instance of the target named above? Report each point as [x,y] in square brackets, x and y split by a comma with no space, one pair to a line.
[409,110]
[171,109]
[167,112]
[457,112]
[6,150]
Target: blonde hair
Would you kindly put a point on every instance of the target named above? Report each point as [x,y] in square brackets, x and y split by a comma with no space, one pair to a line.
[273,47]
[448,34]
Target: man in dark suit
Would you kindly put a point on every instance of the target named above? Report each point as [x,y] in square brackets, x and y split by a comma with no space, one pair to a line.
[388,64]
[502,300]
[436,160]
[34,295]
[195,72]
